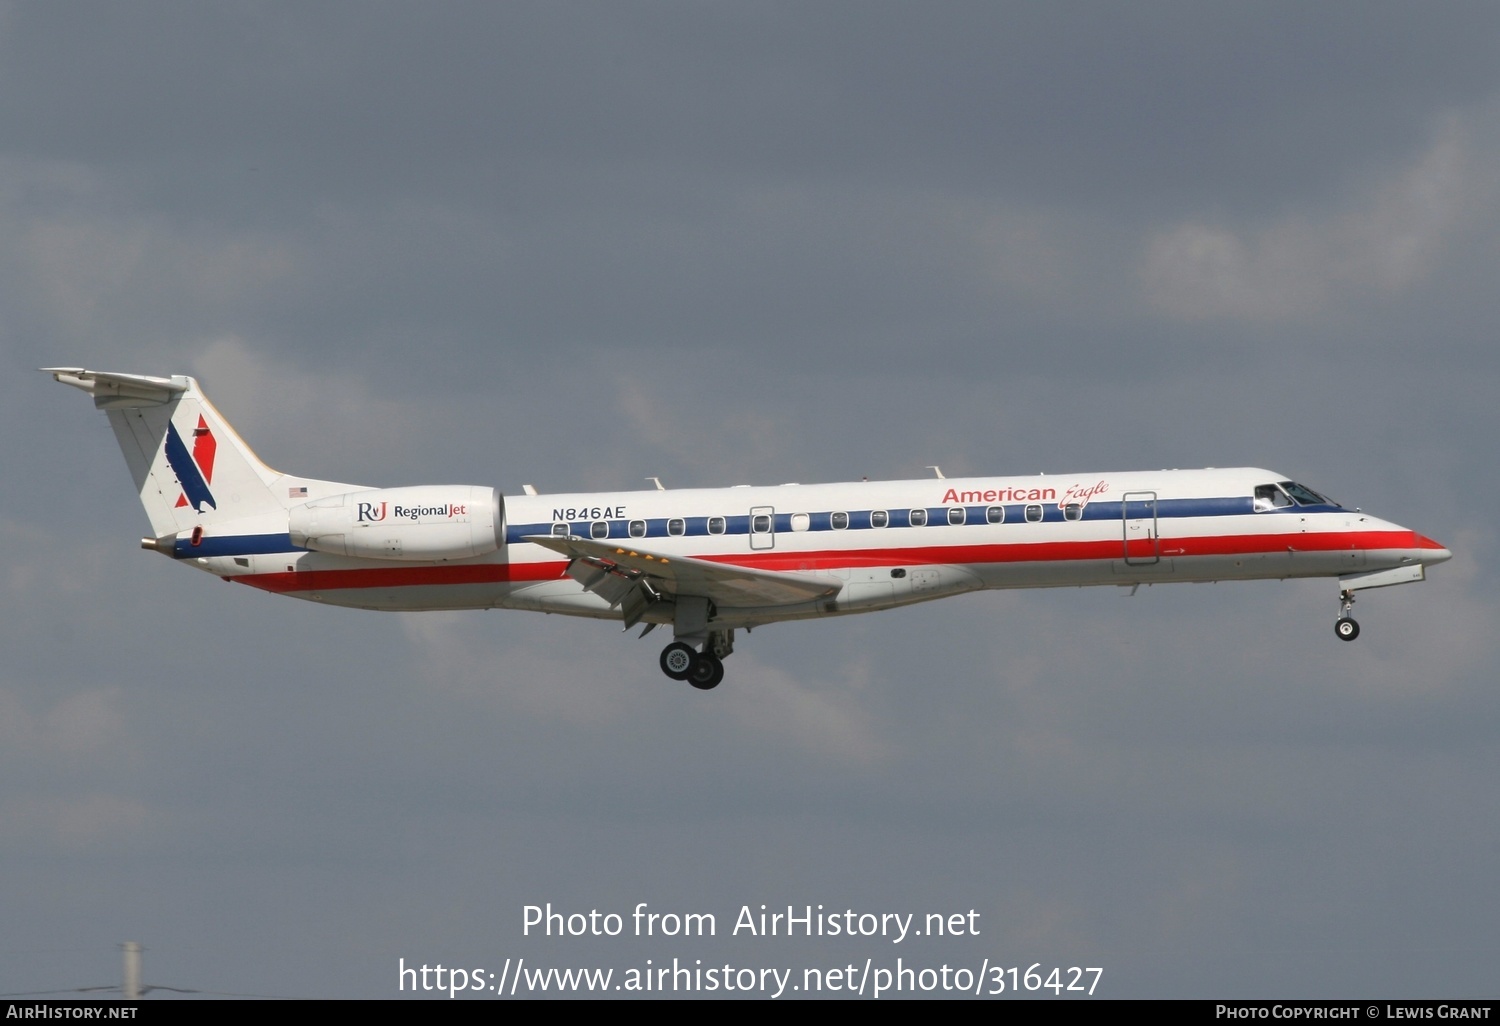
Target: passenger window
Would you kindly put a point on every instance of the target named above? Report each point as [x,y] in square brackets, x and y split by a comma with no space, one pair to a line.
[560,531]
[840,521]
[1072,511]
[637,529]
[1033,514]
[879,518]
[801,521]
[761,524]
[715,525]
[599,529]
[676,527]
[994,515]
[956,516]
[919,518]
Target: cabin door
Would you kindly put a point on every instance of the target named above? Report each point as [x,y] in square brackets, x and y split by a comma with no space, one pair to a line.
[1142,542]
[762,527]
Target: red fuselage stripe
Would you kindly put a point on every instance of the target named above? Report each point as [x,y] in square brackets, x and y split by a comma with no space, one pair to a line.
[837,559]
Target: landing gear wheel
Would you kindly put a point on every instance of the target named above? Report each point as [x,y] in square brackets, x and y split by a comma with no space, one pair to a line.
[706,673]
[1346,628]
[677,660]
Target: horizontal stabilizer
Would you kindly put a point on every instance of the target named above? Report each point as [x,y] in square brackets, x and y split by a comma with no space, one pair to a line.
[120,390]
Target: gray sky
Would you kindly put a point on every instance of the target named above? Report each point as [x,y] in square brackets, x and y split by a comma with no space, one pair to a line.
[578,244]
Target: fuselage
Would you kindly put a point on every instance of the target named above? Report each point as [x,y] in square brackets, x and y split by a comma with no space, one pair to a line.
[882,544]
[710,561]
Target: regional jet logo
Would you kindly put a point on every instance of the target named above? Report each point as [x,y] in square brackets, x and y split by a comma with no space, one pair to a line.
[194,471]
[374,512]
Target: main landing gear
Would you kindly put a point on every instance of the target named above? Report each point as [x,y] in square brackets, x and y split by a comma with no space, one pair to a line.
[703,670]
[703,666]
[1346,627]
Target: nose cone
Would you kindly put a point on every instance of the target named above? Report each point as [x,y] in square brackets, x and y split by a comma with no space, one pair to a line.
[1431,551]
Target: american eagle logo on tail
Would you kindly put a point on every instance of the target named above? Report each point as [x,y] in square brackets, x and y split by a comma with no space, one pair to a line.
[195,471]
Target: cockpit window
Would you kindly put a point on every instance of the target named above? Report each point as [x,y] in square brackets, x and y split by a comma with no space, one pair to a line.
[1305,496]
[1282,494]
[1269,496]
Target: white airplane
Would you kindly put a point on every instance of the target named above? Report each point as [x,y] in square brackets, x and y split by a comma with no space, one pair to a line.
[709,561]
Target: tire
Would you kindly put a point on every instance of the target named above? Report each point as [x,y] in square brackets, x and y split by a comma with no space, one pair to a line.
[677,660]
[706,673]
[1346,628]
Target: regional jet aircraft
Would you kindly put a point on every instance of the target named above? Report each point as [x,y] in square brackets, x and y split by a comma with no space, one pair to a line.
[706,561]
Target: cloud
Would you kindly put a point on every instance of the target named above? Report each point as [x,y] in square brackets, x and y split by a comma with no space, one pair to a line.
[280,407]
[825,716]
[589,684]
[90,260]
[707,435]
[1305,264]
[97,821]
[87,723]
[54,751]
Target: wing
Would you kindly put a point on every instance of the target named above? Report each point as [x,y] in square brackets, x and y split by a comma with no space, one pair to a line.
[631,578]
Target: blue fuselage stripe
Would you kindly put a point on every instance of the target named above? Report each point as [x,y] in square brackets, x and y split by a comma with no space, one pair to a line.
[858,520]
[937,516]
[235,545]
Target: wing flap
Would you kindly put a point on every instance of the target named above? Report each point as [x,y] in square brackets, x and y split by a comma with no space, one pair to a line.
[724,584]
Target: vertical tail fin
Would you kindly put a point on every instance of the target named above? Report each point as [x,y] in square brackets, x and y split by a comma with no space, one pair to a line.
[191,468]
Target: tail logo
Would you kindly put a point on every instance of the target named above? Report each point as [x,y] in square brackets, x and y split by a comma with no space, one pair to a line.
[195,471]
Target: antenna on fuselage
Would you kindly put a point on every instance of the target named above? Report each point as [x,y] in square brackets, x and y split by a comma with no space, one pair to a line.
[939,472]
[659,486]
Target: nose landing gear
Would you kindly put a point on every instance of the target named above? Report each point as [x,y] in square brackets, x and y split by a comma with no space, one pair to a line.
[1346,627]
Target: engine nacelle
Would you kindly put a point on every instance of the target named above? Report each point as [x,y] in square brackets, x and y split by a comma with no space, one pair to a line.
[420,523]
